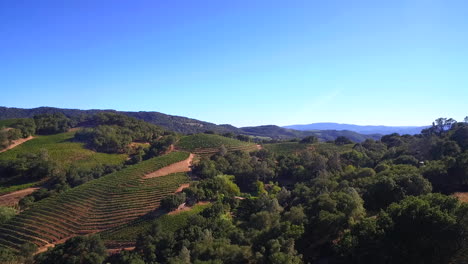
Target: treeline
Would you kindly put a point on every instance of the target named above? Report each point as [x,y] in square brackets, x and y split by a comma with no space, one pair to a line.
[113,133]
[104,132]
[43,124]
[19,128]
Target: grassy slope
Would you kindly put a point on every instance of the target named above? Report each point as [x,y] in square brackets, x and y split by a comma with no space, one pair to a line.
[168,222]
[61,150]
[64,151]
[209,141]
[107,202]
[295,147]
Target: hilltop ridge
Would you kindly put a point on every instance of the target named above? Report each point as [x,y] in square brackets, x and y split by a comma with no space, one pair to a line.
[187,125]
[362,129]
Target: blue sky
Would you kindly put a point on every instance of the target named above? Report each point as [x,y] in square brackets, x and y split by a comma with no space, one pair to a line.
[240,62]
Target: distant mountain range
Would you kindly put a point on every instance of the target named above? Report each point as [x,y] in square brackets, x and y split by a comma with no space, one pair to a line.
[366,130]
[188,125]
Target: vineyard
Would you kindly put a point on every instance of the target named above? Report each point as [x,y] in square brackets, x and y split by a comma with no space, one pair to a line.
[104,203]
[65,152]
[209,144]
[126,235]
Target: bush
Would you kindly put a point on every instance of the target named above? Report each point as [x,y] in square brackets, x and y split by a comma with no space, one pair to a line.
[6,213]
[172,202]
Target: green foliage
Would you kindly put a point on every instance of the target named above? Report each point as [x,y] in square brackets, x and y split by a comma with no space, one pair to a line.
[341,140]
[391,185]
[173,201]
[426,229]
[309,140]
[170,223]
[286,148]
[77,250]
[6,213]
[64,152]
[27,167]
[47,124]
[205,168]
[27,126]
[14,129]
[207,141]
[9,256]
[213,189]
[461,137]
[114,132]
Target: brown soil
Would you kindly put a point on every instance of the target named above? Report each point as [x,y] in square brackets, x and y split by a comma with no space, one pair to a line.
[136,144]
[181,187]
[13,198]
[118,250]
[47,246]
[171,149]
[462,196]
[259,147]
[17,143]
[74,129]
[184,208]
[181,166]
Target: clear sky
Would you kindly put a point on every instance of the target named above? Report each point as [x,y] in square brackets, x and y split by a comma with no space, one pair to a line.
[240,62]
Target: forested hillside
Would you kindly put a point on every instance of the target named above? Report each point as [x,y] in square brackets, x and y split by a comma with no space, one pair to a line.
[187,125]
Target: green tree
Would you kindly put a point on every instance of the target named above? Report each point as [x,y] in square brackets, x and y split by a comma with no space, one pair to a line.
[426,229]
[173,201]
[6,213]
[76,250]
[309,140]
[342,140]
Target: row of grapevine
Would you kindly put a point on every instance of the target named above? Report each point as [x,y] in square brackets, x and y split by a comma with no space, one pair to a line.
[107,202]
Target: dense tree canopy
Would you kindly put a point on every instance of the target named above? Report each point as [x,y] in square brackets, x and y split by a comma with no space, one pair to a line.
[77,250]
[113,133]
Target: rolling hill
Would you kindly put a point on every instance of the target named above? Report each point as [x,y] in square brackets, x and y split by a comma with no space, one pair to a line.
[277,132]
[107,202]
[366,130]
[186,125]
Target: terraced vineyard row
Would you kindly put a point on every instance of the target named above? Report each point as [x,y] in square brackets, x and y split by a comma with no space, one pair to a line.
[107,202]
[210,151]
[205,144]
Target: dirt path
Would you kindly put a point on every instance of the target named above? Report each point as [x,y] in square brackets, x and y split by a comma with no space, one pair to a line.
[17,143]
[13,198]
[184,208]
[259,147]
[462,196]
[181,166]
[181,187]
[171,149]
[74,129]
[113,251]
[47,246]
